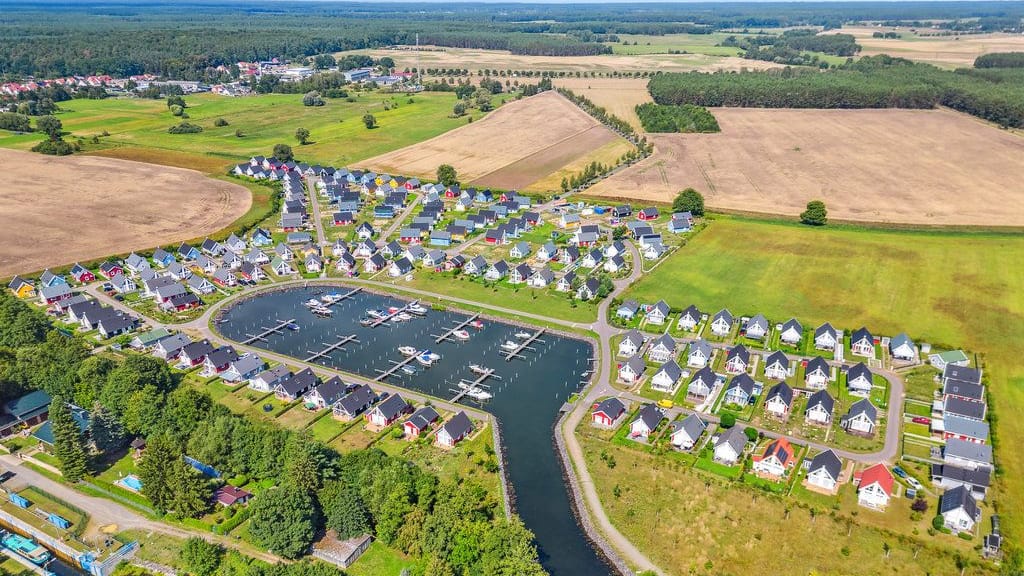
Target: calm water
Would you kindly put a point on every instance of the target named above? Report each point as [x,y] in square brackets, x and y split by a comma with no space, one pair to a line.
[526,398]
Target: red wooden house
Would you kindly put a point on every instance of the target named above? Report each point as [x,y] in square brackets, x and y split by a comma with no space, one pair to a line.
[82,274]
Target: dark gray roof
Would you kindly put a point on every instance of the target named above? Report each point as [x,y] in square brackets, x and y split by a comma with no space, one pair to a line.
[962,373]
[959,497]
[705,376]
[702,346]
[739,351]
[636,363]
[963,388]
[965,408]
[777,357]
[861,334]
[223,355]
[635,337]
[980,477]
[197,349]
[821,397]
[662,307]
[743,382]
[823,329]
[423,417]
[965,427]
[672,370]
[692,425]
[459,425]
[666,341]
[759,321]
[815,364]
[792,323]
[724,314]
[392,406]
[863,406]
[829,461]
[972,451]
[734,437]
[356,400]
[650,415]
[783,392]
[858,370]
[611,406]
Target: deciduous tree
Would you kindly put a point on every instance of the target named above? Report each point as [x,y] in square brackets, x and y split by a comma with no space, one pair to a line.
[689,200]
[815,215]
[283,520]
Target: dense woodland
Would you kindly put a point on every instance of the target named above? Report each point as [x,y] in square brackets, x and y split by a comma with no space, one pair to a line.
[450,525]
[873,82]
[163,38]
[1000,60]
[683,118]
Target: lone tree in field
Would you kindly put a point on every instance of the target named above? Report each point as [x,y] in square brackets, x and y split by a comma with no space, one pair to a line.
[815,215]
[370,121]
[446,175]
[312,98]
[283,152]
[302,135]
[68,446]
[689,200]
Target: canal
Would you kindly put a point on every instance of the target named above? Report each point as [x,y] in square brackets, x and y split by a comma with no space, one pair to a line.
[527,397]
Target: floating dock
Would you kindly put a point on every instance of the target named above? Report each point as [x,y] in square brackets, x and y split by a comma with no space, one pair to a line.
[344,297]
[382,374]
[525,345]
[391,315]
[328,348]
[447,335]
[473,385]
[262,336]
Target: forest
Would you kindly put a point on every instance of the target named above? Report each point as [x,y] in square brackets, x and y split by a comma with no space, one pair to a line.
[50,39]
[1000,60]
[448,525]
[872,82]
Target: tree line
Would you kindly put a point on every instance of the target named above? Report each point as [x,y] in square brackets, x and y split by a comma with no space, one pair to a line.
[871,82]
[449,526]
[1000,60]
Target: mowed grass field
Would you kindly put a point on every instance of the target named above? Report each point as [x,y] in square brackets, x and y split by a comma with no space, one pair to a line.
[927,167]
[951,290]
[688,43]
[691,523]
[339,136]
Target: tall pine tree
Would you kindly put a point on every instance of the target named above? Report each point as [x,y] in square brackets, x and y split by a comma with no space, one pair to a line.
[68,445]
[156,468]
[190,491]
[107,432]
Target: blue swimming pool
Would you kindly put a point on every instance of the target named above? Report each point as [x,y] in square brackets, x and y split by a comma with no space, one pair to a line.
[132,482]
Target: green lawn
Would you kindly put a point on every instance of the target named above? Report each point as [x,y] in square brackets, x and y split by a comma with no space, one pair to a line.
[690,43]
[950,289]
[379,560]
[338,134]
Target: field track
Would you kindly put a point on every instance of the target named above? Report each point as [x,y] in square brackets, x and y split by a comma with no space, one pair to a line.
[921,167]
[85,207]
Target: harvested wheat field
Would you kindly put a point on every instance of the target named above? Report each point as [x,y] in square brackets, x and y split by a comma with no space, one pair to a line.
[943,51]
[473,59]
[620,96]
[518,144]
[925,167]
[84,207]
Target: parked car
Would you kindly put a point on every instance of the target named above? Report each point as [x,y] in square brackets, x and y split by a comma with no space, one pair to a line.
[913,482]
[666,403]
[921,420]
[899,471]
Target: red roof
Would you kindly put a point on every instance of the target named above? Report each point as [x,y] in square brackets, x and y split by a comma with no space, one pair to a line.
[878,473]
[228,495]
[781,448]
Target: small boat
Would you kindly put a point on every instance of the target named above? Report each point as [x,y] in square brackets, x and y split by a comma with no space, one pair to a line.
[26,548]
[509,345]
[478,369]
[365,321]
[311,303]
[461,334]
[477,324]
[377,314]
[417,308]
[291,326]
[393,309]
[523,335]
[475,393]
[322,311]
[407,350]
[425,359]
[402,317]
[409,369]
[330,298]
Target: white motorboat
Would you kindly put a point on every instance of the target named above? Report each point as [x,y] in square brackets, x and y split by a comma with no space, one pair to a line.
[410,370]
[407,350]
[402,317]
[478,369]
[417,308]
[425,359]
[509,345]
[523,335]
[377,314]
[311,303]
[475,393]
[461,334]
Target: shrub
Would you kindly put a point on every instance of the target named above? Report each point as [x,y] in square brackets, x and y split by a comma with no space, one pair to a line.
[185,128]
[728,420]
[220,122]
[816,213]
[53,148]
[938,522]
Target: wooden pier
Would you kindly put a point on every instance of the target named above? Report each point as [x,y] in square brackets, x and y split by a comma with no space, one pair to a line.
[448,333]
[328,348]
[475,384]
[525,345]
[391,315]
[267,332]
[382,374]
